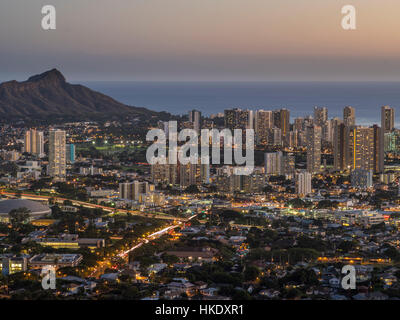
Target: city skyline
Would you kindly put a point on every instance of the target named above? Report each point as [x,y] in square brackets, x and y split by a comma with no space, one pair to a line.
[92,208]
[217,150]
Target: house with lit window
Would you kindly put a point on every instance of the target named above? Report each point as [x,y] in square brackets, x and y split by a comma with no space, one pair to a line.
[11,264]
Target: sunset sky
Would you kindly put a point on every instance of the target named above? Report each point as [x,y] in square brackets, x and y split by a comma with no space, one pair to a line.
[234,40]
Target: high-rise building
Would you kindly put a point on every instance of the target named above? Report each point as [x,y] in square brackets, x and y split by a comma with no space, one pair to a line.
[293,139]
[34,142]
[57,154]
[189,174]
[299,136]
[195,119]
[281,120]
[392,141]
[357,147]
[251,119]
[164,173]
[230,118]
[263,122]
[334,122]
[340,147]
[288,166]
[125,191]
[303,183]
[253,183]
[379,152]
[274,137]
[361,179]
[133,190]
[320,115]
[299,124]
[387,126]
[182,174]
[276,163]
[327,132]
[349,116]
[224,183]
[205,173]
[273,163]
[387,178]
[70,149]
[313,148]
[237,119]
[361,148]
[387,119]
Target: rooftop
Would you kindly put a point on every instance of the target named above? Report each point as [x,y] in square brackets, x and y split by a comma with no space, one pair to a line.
[36,208]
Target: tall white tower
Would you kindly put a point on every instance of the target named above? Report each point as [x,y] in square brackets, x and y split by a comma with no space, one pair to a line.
[57,154]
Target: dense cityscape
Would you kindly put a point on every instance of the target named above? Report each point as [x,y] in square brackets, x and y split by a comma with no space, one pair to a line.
[81,197]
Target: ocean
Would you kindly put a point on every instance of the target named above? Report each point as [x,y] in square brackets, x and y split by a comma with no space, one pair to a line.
[299,97]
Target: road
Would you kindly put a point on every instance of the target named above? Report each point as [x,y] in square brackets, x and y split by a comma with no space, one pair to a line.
[94,206]
[102,265]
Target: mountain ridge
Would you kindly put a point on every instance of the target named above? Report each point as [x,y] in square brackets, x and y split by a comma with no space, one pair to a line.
[49,94]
